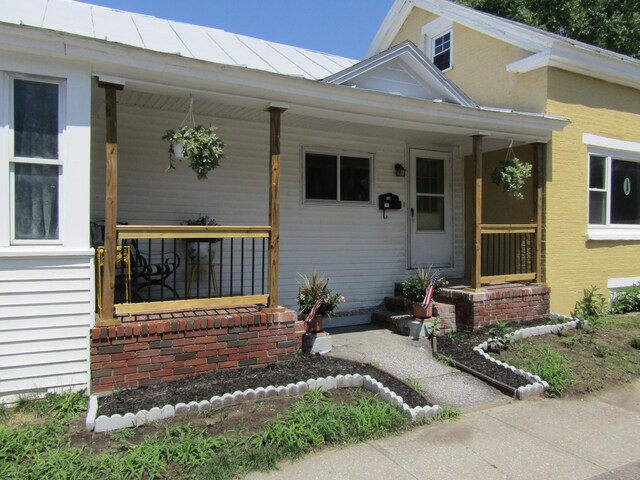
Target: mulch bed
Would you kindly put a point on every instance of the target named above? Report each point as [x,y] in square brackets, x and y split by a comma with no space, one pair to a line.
[460,348]
[299,367]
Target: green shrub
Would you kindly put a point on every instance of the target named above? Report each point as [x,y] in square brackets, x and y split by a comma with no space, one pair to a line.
[593,305]
[627,300]
[635,343]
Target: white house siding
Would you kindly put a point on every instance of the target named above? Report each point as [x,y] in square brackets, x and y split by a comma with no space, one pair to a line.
[46,291]
[46,309]
[362,253]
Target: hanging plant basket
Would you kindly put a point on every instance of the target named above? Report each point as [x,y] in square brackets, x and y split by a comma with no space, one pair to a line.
[199,145]
[511,174]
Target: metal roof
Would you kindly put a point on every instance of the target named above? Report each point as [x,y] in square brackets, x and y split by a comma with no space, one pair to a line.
[166,36]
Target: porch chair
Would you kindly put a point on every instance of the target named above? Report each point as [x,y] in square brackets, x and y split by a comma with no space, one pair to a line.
[152,269]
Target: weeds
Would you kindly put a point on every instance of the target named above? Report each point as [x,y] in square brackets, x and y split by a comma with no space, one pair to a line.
[184,451]
[546,362]
[635,343]
[445,360]
[603,350]
[447,412]
[414,383]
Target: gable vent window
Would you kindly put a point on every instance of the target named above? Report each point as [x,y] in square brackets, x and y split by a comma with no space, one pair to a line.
[442,51]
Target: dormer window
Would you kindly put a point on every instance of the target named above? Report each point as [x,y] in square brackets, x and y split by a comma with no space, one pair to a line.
[442,51]
[437,43]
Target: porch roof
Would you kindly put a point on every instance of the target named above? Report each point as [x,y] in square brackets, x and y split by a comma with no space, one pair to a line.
[146,67]
[170,37]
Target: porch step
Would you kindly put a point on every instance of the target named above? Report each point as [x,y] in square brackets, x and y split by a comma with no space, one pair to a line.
[395,303]
[399,321]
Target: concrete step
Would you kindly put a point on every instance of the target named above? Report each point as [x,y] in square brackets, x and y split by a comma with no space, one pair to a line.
[395,303]
[399,321]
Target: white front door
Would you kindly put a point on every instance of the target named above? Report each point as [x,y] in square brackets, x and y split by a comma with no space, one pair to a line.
[430,209]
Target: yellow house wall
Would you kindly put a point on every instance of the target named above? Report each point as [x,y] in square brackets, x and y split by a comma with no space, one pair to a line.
[573,263]
[479,63]
[412,27]
[497,206]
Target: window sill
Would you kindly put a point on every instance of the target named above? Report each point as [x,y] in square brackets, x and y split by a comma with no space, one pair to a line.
[43,251]
[614,234]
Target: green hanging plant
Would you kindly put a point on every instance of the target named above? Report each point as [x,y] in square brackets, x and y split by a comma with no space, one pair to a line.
[200,145]
[511,174]
[196,143]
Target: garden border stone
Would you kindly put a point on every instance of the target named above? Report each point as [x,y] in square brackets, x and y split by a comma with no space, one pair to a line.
[105,423]
[538,386]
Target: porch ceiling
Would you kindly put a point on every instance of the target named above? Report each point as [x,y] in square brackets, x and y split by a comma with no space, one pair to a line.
[253,110]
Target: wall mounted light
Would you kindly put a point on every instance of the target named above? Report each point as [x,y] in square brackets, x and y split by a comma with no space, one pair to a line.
[400,170]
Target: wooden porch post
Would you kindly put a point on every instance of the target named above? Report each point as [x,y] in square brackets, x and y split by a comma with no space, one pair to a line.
[274,206]
[476,265]
[111,200]
[541,161]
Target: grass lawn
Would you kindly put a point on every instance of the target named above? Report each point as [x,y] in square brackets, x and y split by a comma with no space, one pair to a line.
[585,360]
[46,439]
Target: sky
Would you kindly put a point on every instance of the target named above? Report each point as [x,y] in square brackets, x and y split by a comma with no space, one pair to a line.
[341,27]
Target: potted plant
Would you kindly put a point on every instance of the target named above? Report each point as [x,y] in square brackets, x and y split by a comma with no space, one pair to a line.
[511,173]
[419,287]
[198,144]
[316,301]
[199,249]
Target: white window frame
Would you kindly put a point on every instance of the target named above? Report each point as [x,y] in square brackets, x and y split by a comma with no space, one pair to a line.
[8,84]
[432,31]
[337,153]
[611,149]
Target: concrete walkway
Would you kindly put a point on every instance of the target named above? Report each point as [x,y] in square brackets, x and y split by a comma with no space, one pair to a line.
[596,437]
[403,357]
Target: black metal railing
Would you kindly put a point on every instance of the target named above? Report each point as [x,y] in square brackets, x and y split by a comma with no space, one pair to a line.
[192,263]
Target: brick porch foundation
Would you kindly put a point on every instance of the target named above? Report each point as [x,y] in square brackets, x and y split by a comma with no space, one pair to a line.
[161,348]
[476,309]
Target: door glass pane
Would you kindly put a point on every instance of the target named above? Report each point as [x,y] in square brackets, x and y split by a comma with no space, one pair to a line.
[36,201]
[429,176]
[430,213]
[354,179]
[35,119]
[321,176]
[597,208]
[596,172]
[625,192]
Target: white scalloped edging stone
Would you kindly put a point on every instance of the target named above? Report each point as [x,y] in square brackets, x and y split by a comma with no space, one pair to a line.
[128,420]
[538,386]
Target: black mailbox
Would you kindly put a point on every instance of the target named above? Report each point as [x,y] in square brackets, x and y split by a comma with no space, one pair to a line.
[388,201]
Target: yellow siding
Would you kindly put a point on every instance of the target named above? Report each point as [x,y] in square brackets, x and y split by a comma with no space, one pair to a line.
[479,69]
[479,66]
[412,27]
[599,108]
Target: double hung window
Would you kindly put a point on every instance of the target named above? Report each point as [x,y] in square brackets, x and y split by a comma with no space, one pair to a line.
[34,159]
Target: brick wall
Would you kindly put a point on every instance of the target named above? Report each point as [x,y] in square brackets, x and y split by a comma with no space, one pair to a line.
[510,303]
[153,351]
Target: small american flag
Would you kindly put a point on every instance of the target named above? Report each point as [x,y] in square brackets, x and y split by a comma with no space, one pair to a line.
[428,295]
[316,306]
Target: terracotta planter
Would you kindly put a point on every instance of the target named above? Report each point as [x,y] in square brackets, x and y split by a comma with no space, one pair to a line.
[315,325]
[419,311]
